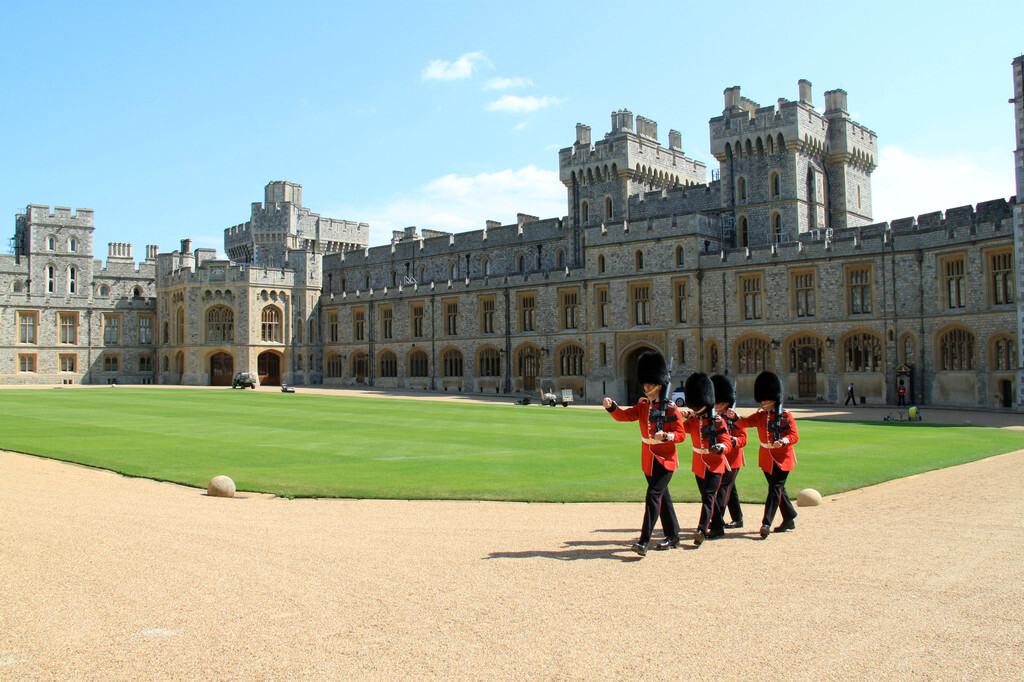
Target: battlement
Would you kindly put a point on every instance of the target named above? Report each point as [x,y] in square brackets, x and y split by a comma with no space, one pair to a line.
[61,216]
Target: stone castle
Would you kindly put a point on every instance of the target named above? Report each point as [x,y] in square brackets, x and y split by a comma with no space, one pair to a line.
[775,263]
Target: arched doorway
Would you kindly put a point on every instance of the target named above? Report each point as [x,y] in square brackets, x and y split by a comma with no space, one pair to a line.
[268,365]
[222,369]
[1006,391]
[633,389]
[529,367]
[360,367]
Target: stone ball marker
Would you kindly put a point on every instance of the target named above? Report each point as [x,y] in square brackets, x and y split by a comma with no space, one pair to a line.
[808,497]
[221,486]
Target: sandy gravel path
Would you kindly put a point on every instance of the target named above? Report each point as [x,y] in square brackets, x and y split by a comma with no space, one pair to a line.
[106,577]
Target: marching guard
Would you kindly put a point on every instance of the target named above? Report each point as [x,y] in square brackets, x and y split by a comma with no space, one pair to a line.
[710,441]
[725,402]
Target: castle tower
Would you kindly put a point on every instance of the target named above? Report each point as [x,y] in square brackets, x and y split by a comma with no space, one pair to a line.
[1018,216]
[56,247]
[600,177]
[787,169]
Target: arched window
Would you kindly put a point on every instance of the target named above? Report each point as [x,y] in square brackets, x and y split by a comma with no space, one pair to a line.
[419,364]
[741,189]
[805,354]
[520,262]
[585,213]
[451,270]
[863,353]
[387,363]
[485,265]
[608,208]
[600,263]
[333,366]
[638,259]
[560,258]
[298,330]
[570,361]
[167,336]
[366,281]
[451,360]
[780,142]
[394,278]
[748,149]
[16,287]
[51,243]
[680,256]
[104,290]
[1004,353]
[775,184]
[956,350]
[72,245]
[312,331]
[51,279]
[423,275]
[776,227]
[771,145]
[753,355]
[270,324]
[180,327]
[220,325]
[490,362]
[137,292]
[741,232]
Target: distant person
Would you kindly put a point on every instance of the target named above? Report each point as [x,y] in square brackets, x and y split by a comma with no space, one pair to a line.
[849,395]
[901,394]
[660,430]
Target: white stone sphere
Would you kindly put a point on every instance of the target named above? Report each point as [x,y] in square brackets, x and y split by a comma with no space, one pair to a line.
[221,486]
[808,497]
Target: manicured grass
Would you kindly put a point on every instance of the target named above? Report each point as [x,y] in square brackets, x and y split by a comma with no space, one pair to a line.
[336,446]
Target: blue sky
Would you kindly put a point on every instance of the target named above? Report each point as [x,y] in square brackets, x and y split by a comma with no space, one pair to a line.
[168,118]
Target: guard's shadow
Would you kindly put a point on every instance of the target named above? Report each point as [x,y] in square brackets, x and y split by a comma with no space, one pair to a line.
[576,550]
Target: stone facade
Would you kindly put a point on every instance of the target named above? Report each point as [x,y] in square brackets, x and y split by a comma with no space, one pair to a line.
[773,264]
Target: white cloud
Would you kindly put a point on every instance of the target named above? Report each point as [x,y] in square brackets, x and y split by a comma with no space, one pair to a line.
[517,105]
[457,203]
[461,68]
[905,185]
[506,83]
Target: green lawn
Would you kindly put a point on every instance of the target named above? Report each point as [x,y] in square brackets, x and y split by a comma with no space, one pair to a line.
[335,446]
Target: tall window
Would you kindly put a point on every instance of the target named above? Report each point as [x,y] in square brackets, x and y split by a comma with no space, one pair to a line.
[803,289]
[741,189]
[146,329]
[26,363]
[638,260]
[1001,278]
[955,282]
[111,363]
[387,364]
[27,323]
[312,331]
[600,264]
[751,286]
[417,320]
[682,302]
[333,366]
[956,351]
[527,312]
[776,228]
[270,324]
[682,352]
[297,330]
[451,360]
[741,229]
[68,328]
[570,361]
[72,280]
[145,363]
[180,326]
[386,318]
[359,324]
[641,299]
[863,353]
[607,208]
[51,278]
[586,213]
[418,363]
[451,317]
[752,355]
[860,290]
[111,329]
[602,307]
[570,308]
[68,362]
[487,316]
[1005,352]
[774,183]
[72,245]
[332,326]
[490,362]
[220,325]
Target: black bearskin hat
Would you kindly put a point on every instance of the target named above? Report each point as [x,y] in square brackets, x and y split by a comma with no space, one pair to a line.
[767,386]
[700,392]
[724,390]
[651,369]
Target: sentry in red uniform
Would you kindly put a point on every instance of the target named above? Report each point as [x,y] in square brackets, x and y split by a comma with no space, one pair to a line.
[777,430]
[725,401]
[710,441]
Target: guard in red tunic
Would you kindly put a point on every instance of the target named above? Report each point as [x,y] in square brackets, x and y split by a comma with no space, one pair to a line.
[660,430]
[725,401]
[777,431]
[710,441]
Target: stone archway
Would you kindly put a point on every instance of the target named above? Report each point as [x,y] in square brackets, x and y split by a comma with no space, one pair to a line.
[268,366]
[222,369]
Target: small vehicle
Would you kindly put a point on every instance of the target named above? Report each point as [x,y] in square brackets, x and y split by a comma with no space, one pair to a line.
[285,388]
[549,398]
[678,397]
[244,380]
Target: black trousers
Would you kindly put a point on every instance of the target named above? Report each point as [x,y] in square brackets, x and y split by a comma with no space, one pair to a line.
[778,498]
[727,498]
[708,487]
[658,504]
[849,397]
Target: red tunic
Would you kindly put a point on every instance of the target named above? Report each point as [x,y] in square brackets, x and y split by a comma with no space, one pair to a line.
[785,457]
[703,459]
[664,452]
[735,454]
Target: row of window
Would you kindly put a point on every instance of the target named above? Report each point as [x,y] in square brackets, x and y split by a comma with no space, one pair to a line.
[51,244]
[71,284]
[68,323]
[527,362]
[68,362]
